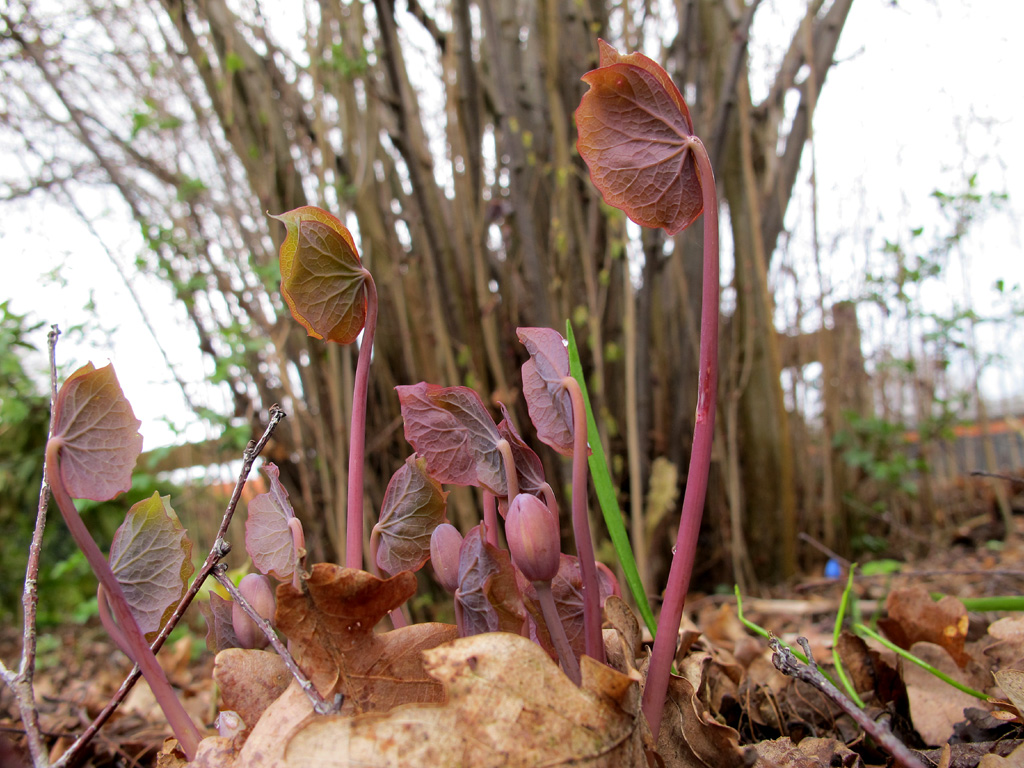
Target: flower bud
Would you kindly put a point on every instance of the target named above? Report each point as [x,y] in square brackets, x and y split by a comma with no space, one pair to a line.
[256,589]
[445,543]
[532,533]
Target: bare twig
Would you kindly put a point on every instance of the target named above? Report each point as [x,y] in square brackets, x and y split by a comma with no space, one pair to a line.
[22,682]
[788,664]
[219,549]
[319,704]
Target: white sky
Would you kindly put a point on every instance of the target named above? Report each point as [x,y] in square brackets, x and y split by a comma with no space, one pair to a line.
[914,82]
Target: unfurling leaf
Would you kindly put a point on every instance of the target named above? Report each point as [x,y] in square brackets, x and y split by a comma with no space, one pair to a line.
[451,428]
[414,505]
[547,399]
[529,468]
[268,539]
[329,624]
[151,556]
[322,279]
[634,134]
[98,434]
[488,593]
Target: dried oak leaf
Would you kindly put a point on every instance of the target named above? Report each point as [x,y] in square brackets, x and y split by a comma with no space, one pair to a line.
[914,617]
[509,705]
[330,622]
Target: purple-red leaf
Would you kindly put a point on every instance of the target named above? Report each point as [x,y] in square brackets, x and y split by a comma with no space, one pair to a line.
[529,468]
[268,539]
[488,592]
[220,629]
[151,556]
[451,428]
[322,279]
[547,399]
[634,134]
[414,505]
[97,433]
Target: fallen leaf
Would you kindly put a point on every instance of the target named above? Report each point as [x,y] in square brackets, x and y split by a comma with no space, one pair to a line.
[809,753]
[914,616]
[690,736]
[935,705]
[249,681]
[509,705]
[330,622]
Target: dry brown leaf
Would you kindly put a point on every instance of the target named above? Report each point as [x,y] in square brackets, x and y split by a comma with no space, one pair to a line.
[249,681]
[809,753]
[330,625]
[509,705]
[935,705]
[690,737]
[914,617]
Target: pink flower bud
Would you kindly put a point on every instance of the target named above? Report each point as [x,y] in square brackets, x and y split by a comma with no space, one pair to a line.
[533,540]
[445,543]
[256,589]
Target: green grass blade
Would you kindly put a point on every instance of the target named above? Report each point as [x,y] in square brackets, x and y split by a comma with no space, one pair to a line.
[606,492]
[837,630]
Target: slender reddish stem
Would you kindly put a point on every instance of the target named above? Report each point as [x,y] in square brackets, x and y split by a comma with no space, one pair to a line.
[491,518]
[570,664]
[184,729]
[357,434]
[700,458]
[581,524]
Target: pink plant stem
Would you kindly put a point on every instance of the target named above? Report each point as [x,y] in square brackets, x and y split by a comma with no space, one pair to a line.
[570,665]
[700,458]
[184,729]
[491,518]
[581,524]
[357,435]
[397,616]
[511,478]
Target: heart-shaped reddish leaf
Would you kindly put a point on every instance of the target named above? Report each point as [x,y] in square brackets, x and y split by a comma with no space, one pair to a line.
[529,468]
[634,134]
[98,434]
[488,592]
[414,505]
[547,399]
[268,539]
[151,556]
[322,279]
[451,428]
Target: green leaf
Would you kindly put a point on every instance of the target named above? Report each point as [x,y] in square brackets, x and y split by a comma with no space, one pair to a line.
[606,493]
[151,556]
[97,433]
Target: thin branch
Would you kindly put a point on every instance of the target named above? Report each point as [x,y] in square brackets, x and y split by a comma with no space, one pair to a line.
[787,663]
[22,683]
[321,706]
